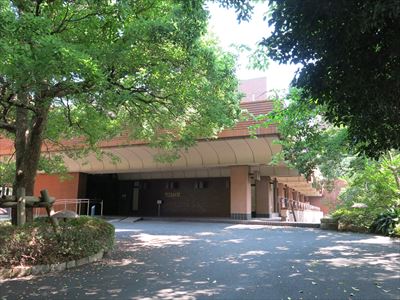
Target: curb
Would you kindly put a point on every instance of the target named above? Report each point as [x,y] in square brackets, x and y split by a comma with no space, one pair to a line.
[233,221]
[21,271]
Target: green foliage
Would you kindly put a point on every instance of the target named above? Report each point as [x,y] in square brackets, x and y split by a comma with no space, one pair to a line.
[136,66]
[53,164]
[309,143]
[96,69]
[7,171]
[36,243]
[396,231]
[386,222]
[359,218]
[375,184]
[243,8]
[351,63]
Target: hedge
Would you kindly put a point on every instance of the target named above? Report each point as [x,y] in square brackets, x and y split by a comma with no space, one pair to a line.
[36,243]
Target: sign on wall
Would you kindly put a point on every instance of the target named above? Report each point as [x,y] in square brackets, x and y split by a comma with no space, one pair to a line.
[172,194]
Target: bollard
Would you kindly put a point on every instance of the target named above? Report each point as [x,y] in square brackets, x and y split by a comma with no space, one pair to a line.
[159,202]
[92,210]
[21,215]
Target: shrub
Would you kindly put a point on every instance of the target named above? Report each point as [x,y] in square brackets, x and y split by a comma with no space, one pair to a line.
[356,218]
[386,222]
[396,231]
[36,243]
[375,184]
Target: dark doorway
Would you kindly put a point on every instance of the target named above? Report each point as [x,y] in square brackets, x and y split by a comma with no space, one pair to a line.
[129,198]
[201,197]
[104,187]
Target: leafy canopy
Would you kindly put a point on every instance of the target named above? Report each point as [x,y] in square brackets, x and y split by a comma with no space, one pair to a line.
[350,51]
[309,142]
[93,69]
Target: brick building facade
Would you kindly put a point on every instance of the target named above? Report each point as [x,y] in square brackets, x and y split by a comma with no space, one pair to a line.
[230,176]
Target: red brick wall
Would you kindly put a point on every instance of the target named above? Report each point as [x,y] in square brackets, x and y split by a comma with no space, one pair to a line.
[317,201]
[60,189]
[329,199]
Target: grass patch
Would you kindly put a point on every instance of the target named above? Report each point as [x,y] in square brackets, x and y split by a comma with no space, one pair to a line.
[36,243]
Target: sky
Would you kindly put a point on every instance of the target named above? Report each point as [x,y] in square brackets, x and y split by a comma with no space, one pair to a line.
[225,27]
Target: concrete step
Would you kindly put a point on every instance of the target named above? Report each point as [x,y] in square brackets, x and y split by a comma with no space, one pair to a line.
[254,221]
[131,220]
[122,219]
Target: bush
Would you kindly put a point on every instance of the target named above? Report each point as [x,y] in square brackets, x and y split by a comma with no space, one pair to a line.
[36,243]
[375,184]
[387,222]
[353,219]
[396,231]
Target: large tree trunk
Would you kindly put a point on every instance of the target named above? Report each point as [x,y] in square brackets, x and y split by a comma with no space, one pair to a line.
[28,143]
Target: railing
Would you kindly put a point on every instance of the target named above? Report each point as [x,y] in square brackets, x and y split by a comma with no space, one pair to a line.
[297,205]
[5,213]
[86,207]
[5,191]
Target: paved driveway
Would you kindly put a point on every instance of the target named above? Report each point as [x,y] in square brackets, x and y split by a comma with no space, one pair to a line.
[172,260]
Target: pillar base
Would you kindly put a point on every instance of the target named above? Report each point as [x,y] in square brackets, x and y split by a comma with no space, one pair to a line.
[263,215]
[240,216]
[268,215]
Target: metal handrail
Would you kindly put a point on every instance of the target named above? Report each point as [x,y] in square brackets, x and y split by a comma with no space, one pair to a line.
[79,202]
[6,190]
[297,205]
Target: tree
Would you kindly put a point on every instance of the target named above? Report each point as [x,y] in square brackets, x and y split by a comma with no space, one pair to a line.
[350,51]
[92,69]
[310,144]
[375,184]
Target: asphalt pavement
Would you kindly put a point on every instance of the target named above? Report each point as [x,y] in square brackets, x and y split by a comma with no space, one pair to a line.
[184,260]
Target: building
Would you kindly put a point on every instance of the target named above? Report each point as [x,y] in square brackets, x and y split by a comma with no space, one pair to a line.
[230,176]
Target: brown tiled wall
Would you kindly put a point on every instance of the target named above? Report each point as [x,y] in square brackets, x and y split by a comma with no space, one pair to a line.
[186,200]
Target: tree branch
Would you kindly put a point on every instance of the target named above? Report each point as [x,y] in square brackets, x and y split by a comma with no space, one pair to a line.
[37,9]
[61,27]
[13,101]
[156,98]
[11,128]
[63,89]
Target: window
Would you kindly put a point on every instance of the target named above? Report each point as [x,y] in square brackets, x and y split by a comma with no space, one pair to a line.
[172,185]
[146,185]
[200,184]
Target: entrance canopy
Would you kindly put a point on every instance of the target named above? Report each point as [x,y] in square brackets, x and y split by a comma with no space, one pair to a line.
[208,158]
[205,154]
